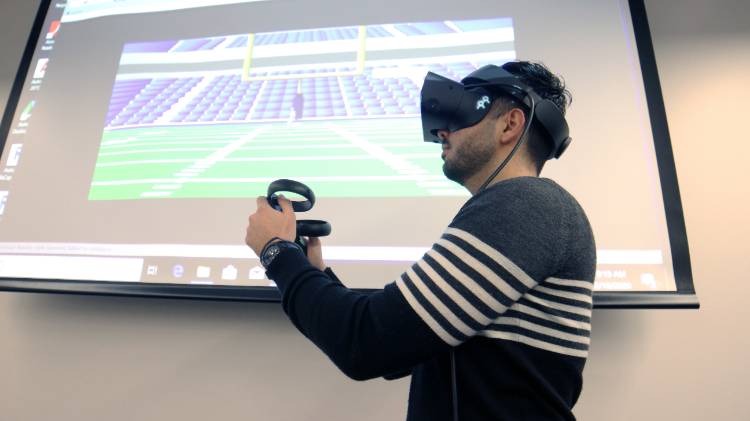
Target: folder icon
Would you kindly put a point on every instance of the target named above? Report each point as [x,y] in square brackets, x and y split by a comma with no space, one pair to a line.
[203,272]
[229,273]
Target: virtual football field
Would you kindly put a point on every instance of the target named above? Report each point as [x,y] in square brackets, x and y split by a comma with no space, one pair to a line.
[336,158]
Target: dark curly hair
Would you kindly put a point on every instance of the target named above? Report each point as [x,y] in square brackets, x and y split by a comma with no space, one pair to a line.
[548,86]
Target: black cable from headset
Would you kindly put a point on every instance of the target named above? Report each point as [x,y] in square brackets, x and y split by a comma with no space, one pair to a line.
[515,148]
[454,388]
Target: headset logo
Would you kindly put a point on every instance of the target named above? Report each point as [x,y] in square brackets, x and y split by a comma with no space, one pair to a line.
[483,102]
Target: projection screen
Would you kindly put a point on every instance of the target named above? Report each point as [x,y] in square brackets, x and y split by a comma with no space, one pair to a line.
[139,133]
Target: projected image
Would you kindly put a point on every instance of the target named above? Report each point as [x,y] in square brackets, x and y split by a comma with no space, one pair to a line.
[335,108]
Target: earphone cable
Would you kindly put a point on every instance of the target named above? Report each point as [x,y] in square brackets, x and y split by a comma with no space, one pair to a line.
[454,388]
[512,153]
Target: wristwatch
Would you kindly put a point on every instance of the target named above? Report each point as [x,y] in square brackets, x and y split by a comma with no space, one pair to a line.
[272,250]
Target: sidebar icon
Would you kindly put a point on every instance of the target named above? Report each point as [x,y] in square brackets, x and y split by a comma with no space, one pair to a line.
[53,28]
[14,155]
[23,119]
[49,39]
[26,113]
[3,199]
[39,71]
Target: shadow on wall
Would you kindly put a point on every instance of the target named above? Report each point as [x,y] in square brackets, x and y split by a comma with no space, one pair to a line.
[120,311]
[617,337]
[42,322]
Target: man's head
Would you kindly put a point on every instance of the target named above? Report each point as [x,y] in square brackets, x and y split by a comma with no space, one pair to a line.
[471,151]
[548,86]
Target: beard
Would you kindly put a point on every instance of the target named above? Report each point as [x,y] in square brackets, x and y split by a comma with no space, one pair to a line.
[467,160]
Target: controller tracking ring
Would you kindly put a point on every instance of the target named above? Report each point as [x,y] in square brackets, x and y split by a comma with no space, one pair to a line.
[294,187]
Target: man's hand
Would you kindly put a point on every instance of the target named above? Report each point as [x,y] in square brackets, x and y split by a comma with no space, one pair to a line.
[315,253]
[267,223]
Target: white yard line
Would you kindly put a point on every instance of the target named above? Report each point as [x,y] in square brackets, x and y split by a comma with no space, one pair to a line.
[200,166]
[119,141]
[176,142]
[398,163]
[167,186]
[156,194]
[139,151]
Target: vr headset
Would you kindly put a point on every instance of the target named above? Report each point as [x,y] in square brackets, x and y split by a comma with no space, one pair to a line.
[449,105]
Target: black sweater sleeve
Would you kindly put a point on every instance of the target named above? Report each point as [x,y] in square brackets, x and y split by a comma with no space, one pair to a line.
[365,335]
[503,243]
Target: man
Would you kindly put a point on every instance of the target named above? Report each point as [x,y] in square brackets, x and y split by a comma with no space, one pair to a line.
[298,105]
[493,322]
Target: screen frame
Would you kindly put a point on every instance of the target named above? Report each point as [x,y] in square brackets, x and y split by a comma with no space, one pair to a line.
[683,297]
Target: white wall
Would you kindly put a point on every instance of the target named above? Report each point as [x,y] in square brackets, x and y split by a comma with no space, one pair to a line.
[692,365]
[94,358]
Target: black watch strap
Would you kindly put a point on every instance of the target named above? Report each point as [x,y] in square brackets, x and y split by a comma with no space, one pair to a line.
[273,249]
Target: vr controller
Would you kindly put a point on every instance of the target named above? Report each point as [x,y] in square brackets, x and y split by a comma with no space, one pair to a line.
[305,227]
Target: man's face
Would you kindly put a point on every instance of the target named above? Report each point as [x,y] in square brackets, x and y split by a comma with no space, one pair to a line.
[467,151]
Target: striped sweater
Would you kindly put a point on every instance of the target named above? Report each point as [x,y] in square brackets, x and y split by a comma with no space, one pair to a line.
[508,288]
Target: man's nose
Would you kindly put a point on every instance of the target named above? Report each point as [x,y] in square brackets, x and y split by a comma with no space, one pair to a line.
[443,135]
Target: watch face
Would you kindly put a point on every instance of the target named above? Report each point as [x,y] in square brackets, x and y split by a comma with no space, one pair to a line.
[273,250]
[267,253]
[270,253]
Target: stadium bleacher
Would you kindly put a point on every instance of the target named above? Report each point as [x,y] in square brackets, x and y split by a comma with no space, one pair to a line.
[143,101]
[227,98]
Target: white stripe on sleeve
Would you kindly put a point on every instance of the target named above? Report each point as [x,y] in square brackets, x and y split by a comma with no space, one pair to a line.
[483,270]
[575,324]
[565,294]
[495,255]
[425,315]
[451,292]
[466,281]
[525,324]
[535,343]
[571,283]
[439,305]
[570,309]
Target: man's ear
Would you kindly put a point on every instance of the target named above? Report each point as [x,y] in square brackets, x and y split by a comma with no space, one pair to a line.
[510,126]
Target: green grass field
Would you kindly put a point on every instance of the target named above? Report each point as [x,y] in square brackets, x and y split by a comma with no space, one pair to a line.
[344,158]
